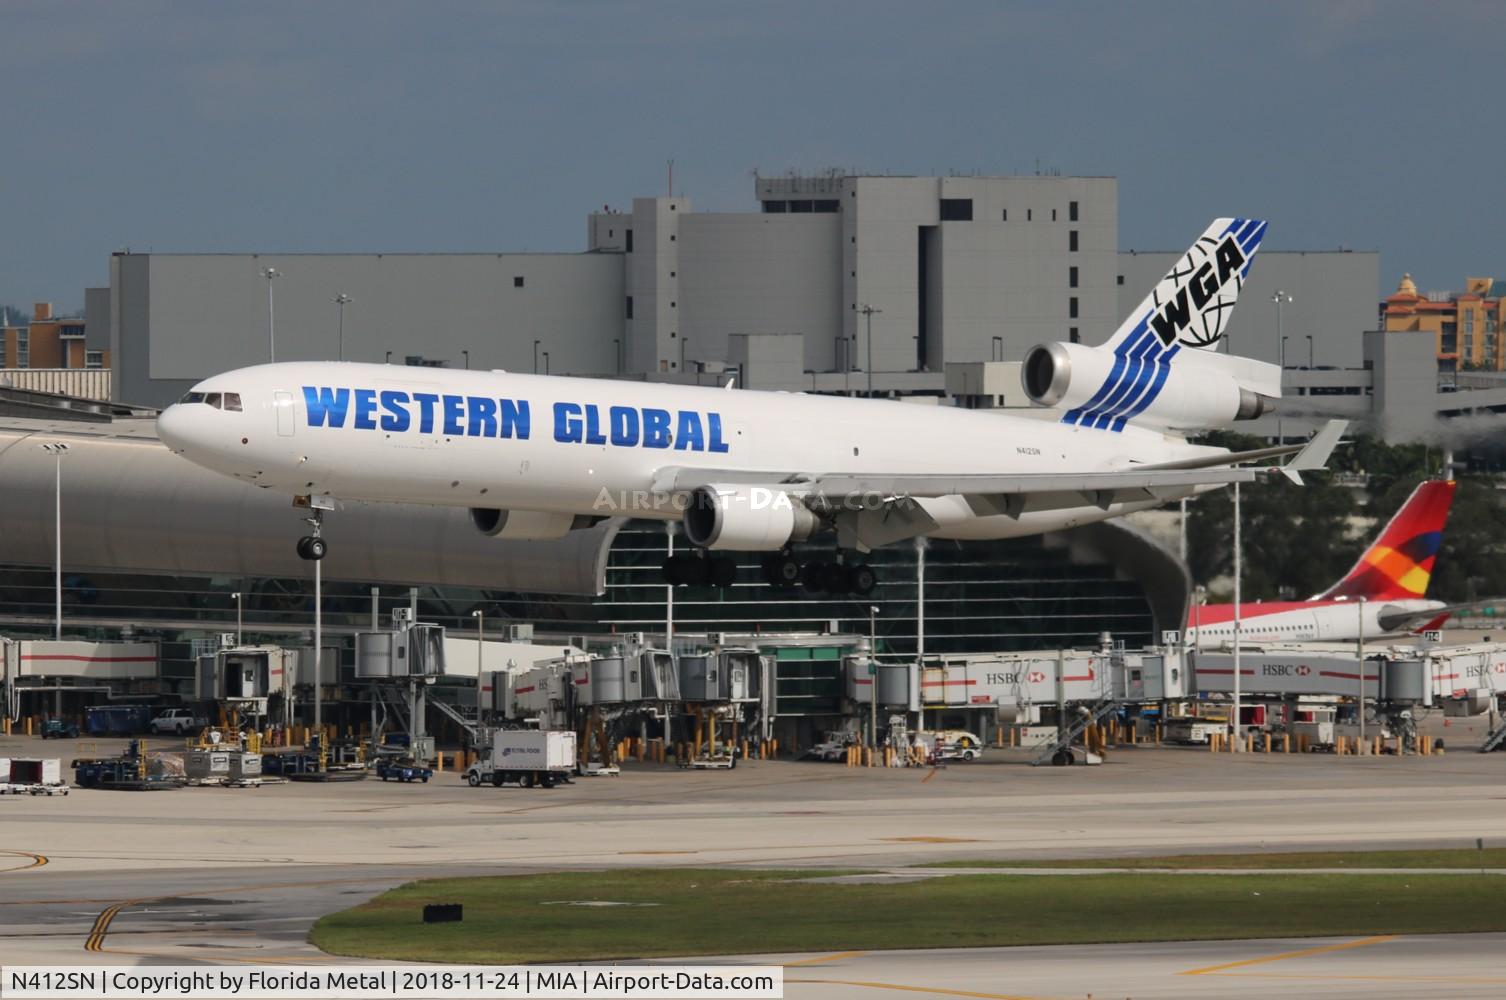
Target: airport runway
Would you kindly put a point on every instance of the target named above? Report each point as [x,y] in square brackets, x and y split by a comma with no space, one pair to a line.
[238,875]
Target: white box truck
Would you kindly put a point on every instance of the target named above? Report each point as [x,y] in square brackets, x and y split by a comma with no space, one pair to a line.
[528,757]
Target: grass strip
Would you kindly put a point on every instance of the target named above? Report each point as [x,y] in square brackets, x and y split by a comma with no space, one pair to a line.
[686,912]
[1492,857]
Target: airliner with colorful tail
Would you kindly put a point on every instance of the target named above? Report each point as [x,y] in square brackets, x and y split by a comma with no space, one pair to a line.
[1391,577]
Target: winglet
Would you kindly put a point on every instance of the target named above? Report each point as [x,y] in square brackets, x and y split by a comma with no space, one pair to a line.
[1315,455]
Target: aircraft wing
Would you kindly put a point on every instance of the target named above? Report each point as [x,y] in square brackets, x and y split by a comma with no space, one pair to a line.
[1102,488]
[1400,620]
[879,509]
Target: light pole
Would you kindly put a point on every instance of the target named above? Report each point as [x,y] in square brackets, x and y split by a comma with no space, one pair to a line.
[1238,574]
[682,355]
[239,617]
[546,362]
[536,357]
[873,683]
[388,359]
[342,300]
[1199,598]
[1309,352]
[868,312]
[1280,298]
[996,353]
[467,359]
[271,274]
[1360,654]
[57,449]
[480,617]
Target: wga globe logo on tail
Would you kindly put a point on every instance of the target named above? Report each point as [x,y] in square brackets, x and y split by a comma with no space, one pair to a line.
[1197,312]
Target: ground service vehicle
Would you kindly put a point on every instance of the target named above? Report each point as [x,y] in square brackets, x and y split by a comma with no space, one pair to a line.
[177,721]
[59,729]
[527,757]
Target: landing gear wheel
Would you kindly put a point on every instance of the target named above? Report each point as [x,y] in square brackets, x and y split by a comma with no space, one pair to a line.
[781,569]
[312,547]
[1062,758]
[721,571]
[861,579]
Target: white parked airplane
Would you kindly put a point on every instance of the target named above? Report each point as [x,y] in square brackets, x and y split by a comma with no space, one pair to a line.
[535,456]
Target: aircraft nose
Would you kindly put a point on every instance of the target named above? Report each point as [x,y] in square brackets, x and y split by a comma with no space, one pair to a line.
[175,427]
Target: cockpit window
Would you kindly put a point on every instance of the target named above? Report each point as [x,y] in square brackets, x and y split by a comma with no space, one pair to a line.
[233,401]
[192,397]
[213,399]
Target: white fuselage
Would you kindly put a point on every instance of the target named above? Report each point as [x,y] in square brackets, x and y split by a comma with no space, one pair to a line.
[597,447]
[1299,621]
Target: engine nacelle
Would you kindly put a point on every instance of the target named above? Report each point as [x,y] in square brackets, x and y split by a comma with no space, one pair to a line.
[1194,389]
[746,518]
[534,525]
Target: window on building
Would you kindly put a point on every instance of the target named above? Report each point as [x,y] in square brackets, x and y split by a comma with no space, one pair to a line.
[1121,279]
[1071,211]
[1004,215]
[629,307]
[1071,277]
[1029,214]
[671,237]
[23,348]
[956,210]
[1072,240]
[96,359]
[1469,321]
[828,205]
[1053,215]
[627,238]
[517,281]
[774,207]
[1072,307]
[802,205]
[1074,336]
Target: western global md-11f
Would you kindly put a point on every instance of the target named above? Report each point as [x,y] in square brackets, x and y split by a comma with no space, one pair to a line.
[536,456]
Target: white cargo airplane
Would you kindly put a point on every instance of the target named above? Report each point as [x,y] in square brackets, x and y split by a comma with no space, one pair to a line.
[536,456]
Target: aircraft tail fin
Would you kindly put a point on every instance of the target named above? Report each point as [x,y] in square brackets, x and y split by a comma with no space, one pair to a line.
[1191,305]
[1399,564]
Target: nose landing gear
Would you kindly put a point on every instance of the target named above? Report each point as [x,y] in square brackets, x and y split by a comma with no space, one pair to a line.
[312,547]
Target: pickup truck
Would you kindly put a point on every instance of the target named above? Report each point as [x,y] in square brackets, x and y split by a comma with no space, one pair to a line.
[177,721]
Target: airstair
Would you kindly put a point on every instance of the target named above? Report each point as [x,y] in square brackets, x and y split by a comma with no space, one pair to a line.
[1060,751]
[1495,739]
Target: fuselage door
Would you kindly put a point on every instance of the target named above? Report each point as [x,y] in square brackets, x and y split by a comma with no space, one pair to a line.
[282,402]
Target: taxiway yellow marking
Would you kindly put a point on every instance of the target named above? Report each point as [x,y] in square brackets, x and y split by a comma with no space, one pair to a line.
[37,860]
[928,840]
[657,852]
[819,959]
[1467,980]
[933,990]
[929,776]
[101,927]
[1283,956]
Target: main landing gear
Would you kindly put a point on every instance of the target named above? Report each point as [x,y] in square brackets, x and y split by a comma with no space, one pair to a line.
[780,569]
[698,570]
[838,578]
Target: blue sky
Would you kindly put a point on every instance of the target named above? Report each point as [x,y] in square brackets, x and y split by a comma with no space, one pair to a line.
[497,126]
